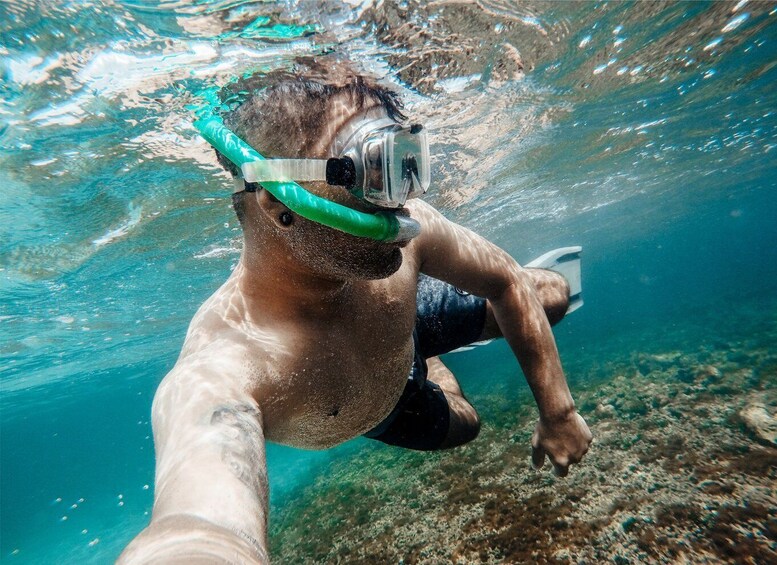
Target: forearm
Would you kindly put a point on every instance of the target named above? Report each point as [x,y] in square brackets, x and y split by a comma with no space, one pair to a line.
[524,324]
[187,539]
[210,488]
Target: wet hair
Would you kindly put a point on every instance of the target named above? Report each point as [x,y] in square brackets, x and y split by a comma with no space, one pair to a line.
[283,113]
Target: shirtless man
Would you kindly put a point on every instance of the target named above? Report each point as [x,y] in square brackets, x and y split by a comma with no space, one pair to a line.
[310,341]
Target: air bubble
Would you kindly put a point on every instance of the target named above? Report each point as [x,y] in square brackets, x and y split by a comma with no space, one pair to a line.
[714,43]
[735,23]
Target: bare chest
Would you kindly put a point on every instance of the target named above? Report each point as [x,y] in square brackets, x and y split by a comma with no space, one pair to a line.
[334,379]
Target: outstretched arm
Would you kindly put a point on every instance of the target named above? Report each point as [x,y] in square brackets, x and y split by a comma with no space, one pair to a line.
[458,256]
[210,499]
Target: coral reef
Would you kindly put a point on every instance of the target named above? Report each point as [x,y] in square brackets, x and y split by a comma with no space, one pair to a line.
[683,469]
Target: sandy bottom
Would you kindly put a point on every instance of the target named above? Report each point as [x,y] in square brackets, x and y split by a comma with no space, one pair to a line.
[683,469]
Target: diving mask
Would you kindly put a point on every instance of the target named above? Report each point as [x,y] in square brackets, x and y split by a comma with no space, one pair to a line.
[378,160]
[380,226]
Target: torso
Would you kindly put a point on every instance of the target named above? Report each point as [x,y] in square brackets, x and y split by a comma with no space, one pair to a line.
[319,382]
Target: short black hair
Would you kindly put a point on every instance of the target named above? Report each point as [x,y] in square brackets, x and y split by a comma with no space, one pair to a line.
[282,113]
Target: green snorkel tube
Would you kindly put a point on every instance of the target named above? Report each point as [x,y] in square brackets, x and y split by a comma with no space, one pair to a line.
[381,226]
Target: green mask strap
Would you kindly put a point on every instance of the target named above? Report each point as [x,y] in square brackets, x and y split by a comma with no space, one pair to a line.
[381,226]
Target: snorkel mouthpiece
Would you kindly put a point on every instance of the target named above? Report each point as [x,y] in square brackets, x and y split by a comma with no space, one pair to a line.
[381,226]
[408,228]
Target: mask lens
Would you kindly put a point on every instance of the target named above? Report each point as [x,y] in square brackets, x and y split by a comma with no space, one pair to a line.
[373,155]
[409,171]
[393,164]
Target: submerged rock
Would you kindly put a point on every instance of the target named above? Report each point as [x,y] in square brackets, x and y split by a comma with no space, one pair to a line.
[667,359]
[604,410]
[708,374]
[760,421]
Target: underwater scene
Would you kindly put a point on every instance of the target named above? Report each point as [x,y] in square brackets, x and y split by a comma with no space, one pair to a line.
[645,132]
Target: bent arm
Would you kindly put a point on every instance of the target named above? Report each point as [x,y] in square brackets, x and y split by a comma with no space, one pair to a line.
[210,498]
[460,257]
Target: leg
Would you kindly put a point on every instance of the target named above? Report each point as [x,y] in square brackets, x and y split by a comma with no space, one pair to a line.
[464,424]
[553,292]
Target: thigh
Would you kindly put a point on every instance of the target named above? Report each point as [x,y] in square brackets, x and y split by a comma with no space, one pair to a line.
[446,317]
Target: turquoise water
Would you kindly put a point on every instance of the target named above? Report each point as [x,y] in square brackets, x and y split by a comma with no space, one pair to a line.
[647,134]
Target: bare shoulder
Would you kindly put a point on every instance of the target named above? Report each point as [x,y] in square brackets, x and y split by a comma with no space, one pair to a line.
[223,344]
[434,227]
[439,236]
[423,212]
[216,319]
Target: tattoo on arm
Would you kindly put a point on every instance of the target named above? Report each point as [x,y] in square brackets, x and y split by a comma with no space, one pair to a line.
[242,449]
[240,430]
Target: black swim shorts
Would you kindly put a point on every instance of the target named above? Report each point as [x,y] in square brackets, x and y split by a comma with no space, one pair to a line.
[446,319]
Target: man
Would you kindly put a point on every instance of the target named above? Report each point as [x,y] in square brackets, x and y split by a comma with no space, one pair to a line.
[310,341]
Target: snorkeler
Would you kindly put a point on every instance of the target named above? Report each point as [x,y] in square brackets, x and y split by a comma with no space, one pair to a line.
[331,327]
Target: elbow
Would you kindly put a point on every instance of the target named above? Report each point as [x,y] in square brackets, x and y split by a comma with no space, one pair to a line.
[550,290]
[512,281]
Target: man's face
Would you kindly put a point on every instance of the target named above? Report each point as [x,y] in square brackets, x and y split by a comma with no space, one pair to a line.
[331,252]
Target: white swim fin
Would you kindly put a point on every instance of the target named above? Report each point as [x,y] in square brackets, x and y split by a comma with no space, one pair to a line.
[566,262]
